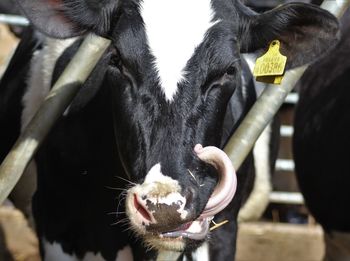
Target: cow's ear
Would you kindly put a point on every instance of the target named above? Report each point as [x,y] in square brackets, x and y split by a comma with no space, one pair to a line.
[305,32]
[68,18]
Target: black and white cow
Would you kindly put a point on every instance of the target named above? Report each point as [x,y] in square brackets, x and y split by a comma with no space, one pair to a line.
[141,138]
[321,144]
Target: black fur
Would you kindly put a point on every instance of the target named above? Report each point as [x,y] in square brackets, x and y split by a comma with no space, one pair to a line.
[321,139]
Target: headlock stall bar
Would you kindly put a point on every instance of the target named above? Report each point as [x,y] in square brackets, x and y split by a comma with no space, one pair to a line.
[13,20]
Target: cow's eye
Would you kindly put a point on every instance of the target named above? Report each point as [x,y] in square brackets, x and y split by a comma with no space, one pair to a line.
[231,70]
[115,60]
[116,63]
[220,78]
[224,79]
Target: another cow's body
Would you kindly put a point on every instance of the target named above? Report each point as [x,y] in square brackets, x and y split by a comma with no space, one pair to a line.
[133,166]
[321,143]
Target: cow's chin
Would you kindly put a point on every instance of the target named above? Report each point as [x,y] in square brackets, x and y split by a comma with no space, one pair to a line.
[174,240]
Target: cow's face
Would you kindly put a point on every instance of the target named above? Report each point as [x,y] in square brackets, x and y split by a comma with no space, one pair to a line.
[172,80]
[174,66]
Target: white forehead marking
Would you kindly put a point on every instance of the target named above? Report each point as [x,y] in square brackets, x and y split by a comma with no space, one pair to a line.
[174,29]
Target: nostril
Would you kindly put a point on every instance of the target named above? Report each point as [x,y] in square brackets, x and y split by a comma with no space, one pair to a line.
[141,209]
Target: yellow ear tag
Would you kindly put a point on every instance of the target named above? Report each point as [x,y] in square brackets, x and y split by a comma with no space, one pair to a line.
[270,67]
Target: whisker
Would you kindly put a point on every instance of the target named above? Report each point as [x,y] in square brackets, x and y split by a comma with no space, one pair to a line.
[127,229]
[201,185]
[124,220]
[121,198]
[120,189]
[115,213]
[126,180]
[192,175]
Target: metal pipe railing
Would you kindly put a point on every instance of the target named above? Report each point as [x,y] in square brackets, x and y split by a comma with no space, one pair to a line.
[50,110]
[13,20]
[260,115]
[292,198]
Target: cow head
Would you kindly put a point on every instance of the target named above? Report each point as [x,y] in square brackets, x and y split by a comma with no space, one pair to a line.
[173,68]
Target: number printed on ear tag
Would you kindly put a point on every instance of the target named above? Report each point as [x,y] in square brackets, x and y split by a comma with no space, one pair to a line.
[270,67]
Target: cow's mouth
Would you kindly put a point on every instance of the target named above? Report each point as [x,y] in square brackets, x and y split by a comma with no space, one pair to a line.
[221,197]
[195,230]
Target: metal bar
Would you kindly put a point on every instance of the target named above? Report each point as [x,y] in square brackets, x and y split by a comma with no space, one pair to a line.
[259,117]
[285,165]
[293,198]
[242,142]
[286,131]
[292,98]
[336,7]
[13,20]
[51,109]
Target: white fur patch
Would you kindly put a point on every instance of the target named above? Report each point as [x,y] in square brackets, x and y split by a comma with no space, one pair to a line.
[125,254]
[161,189]
[93,257]
[202,253]
[40,75]
[259,197]
[168,255]
[54,252]
[155,175]
[158,189]
[174,29]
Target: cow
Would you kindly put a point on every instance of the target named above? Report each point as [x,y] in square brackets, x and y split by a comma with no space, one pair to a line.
[134,169]
[321,143]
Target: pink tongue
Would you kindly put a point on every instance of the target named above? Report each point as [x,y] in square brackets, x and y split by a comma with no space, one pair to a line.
[226,187]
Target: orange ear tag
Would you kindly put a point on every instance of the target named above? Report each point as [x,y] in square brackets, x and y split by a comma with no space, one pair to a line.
[270,67]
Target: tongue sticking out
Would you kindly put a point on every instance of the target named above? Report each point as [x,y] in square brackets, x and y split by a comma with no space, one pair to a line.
[226,187]
[221,197]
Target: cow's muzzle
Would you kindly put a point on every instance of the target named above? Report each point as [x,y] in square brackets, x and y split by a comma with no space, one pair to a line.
[159,208]
[220,198]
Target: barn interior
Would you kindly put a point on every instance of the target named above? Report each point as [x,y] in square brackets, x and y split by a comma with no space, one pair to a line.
[284,231]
